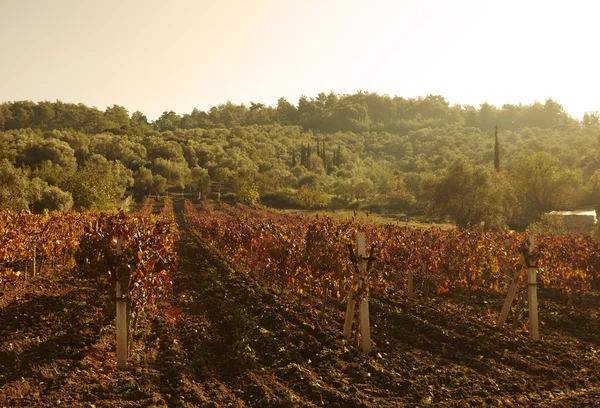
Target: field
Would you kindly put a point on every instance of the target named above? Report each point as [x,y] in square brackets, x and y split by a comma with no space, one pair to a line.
[240,322]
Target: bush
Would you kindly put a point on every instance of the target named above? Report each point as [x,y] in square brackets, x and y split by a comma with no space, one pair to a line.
[549,224]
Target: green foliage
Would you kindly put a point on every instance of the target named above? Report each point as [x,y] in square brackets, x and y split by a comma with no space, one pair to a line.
[312,197]
[360,149]
[99,184]
[177,173]
[14,187]
[544,184]
[200,180]
[46,197]
[249,195]
[471,195]
[549,224]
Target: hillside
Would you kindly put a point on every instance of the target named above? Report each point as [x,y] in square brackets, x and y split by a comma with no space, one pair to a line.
[364,150]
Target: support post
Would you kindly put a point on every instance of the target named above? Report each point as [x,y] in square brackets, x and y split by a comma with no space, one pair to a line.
[122,320]
[512,290]
[365,326]
[410,284]
[534,331]
[122,329]
[350,309]
[531,262]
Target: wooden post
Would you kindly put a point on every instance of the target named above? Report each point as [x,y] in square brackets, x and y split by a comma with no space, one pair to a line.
[365,326]
[122,332]
[512,289]
[359,279]
[350,309]
[409,289]
[122,320]
[534,332]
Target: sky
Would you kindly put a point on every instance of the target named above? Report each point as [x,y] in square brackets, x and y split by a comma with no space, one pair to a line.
[155,56]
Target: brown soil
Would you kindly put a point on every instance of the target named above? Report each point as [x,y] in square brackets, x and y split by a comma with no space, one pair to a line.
[226,340]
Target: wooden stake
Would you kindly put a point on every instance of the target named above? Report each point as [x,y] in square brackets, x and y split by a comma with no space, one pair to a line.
[534,332]
[122,320]
[409,289]
[350,309]
[365,327]
[122,329]
[512,289]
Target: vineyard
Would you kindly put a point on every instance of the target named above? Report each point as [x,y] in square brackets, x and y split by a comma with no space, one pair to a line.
[300,254]
[143,260]
[239,306]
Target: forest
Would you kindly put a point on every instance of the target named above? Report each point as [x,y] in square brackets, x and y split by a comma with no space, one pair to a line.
[418,156]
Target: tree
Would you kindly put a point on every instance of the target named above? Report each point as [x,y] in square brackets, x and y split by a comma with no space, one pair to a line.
[200,181]
[167,121]
[50,173]
[139,123]
[117,120]
[383,179]
[14,187]
[249,195]
[38,151]
[144,181]
[496,151]
[99,184]
[543,186]
[5,115]
[286,113]
[112,147]
[159,184]
[177,173]
[312,197]
[470,195]
[46,197]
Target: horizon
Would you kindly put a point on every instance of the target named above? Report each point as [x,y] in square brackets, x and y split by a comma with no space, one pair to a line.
[295,103]
[150,57]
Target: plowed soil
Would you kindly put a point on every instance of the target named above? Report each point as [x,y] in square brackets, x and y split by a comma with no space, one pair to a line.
[226,340]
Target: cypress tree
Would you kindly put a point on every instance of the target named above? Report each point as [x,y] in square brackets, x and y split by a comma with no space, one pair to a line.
[318,146]
[302,156]
[497,151]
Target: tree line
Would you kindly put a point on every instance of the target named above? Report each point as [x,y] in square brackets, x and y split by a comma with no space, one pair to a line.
[327,113]
[419,156]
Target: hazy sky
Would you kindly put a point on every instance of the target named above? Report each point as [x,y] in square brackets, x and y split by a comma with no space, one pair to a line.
[162,55]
